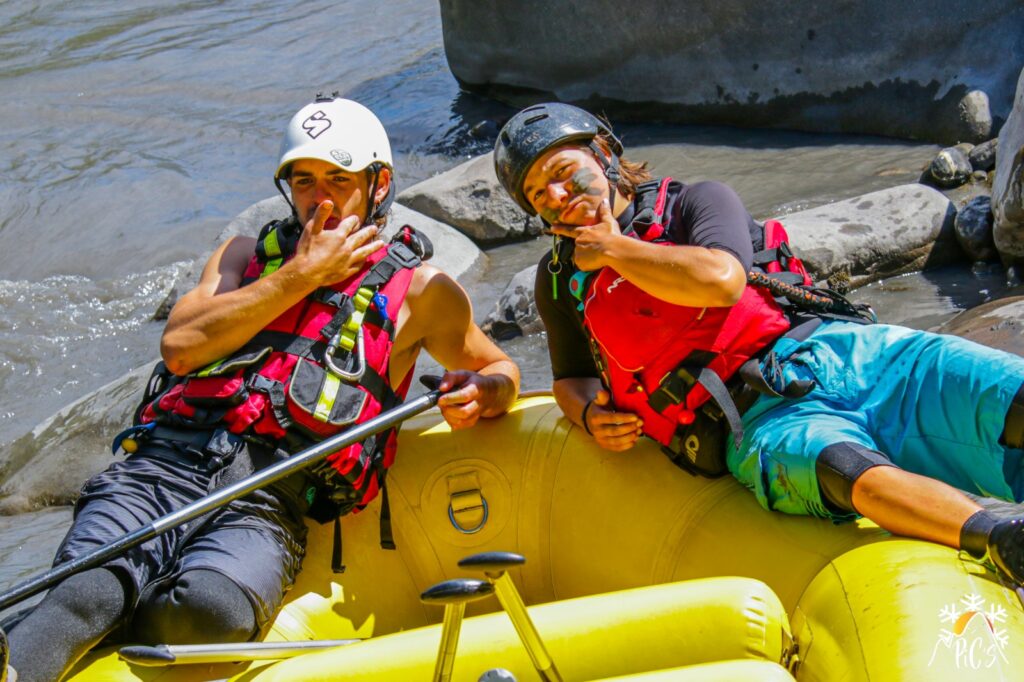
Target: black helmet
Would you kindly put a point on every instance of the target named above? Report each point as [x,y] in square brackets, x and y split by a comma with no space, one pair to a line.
[538,129]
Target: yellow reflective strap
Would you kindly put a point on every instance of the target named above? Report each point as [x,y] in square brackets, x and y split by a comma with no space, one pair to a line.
[271,266]
[327,396]
[349,330]
[205,371]
[271,246]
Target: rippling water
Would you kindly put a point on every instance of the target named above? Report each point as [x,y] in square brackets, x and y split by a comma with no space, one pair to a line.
[133,132]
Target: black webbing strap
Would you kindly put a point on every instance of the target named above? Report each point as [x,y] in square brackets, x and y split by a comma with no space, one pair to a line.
[387,537]
[336,564]
[275,391]
[714,385]
[753,376]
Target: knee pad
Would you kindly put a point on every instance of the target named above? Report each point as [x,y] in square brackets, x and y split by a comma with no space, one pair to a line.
[1013,428]
[196,607]
[838,466]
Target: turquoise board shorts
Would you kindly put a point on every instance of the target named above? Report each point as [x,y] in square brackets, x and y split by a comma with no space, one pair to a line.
[934,404]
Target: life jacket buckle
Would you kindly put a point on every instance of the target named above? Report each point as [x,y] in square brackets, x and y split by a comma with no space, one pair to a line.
[358,353]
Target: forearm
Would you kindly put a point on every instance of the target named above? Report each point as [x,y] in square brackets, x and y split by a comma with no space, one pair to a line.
[204,328]
[572,395]
[683,275]
[501,388]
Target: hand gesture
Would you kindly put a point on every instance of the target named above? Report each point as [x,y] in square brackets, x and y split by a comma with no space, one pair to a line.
[591,240]
[616,431]
[461,403]
[331,251]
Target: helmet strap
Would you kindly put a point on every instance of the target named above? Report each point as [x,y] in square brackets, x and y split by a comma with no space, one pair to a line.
[611,171]
[371,200]
[287,199]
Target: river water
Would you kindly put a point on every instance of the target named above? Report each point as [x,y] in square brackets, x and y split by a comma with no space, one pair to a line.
[133,132]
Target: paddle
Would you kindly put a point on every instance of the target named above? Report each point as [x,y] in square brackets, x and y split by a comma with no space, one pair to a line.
[186,654]
[221,497]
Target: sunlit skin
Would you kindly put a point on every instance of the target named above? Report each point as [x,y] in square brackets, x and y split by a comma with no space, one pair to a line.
[219,316]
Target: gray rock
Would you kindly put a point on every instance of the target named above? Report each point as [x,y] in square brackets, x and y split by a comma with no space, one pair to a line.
[470,198]
[249,222]
[950,168]
[1008,186]
[454,253]
[975,116]
[983,156]
[49,464]
[877,235]
[999,324]
[973,227]
[897,69]
[515,313]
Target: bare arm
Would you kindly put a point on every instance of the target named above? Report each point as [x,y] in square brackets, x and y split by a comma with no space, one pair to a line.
[483,382]
[684,275]
[612,430]
[218,317]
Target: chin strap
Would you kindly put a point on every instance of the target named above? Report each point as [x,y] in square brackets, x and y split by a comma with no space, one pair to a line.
[288,199]
[611,171]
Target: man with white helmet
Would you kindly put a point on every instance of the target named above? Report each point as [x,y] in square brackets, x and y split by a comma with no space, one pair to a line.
[287,339]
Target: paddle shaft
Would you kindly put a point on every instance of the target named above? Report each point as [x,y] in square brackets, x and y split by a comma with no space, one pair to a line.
[220,497]
[187,654]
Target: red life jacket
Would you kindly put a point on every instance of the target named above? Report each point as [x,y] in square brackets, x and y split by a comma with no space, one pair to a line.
[663,361]
[319,368]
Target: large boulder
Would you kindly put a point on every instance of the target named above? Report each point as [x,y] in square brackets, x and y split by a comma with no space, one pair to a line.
[877,235]
[999,324]
[49,464]
[454,253]
[1008,186]
[470,198]
[908,69]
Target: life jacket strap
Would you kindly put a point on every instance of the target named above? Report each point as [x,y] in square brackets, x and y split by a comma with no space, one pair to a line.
[693,370]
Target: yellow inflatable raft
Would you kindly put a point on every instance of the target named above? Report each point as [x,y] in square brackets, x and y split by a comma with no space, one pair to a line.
[634,570]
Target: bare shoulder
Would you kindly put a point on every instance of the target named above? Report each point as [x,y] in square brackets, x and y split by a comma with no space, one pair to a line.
[432,286]
[225,268]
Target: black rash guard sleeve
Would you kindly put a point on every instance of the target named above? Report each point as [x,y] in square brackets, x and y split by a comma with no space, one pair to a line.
[568,345]
[712,215]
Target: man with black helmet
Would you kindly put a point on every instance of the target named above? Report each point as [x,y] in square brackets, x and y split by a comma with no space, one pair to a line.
[286,340]
[814,410]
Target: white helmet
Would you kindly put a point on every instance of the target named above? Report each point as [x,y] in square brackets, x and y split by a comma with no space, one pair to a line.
[341,132]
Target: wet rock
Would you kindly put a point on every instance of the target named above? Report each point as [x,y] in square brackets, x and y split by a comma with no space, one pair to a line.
[999,324]
[950,168]
[515,313]
[1008,186]
[916,73]
[49,464]
[877,235]
[469,198]
[973,227]
[163,311]
[975,116]
[983,156]
[979,177]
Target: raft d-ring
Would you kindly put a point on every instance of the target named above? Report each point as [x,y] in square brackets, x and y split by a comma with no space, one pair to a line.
[481,505]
